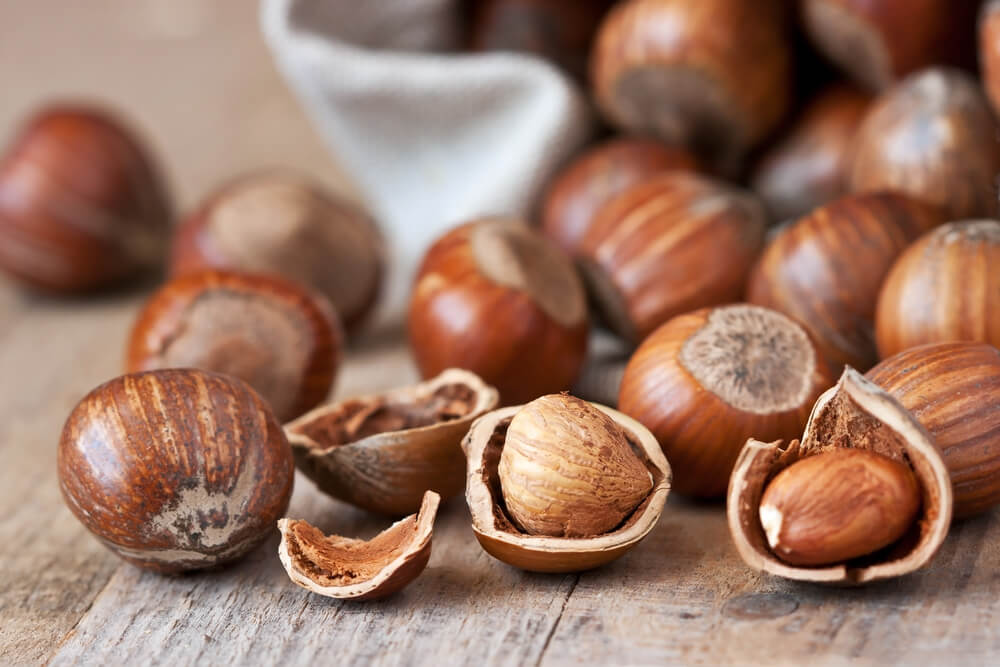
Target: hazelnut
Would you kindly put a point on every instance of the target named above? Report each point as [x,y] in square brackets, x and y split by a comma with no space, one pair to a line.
[932,136]
[567,469]
[953,390]
[878,42]
[713,75]
[82,205]
[807,167]
[574,196]
[825,270]
[349,569]
[989,50]
[175,469]
[946,286]
[500,300]
[382,452]
[281,223]
[706,381]
[588,482]
[277,336]
[838,505]
[835,503]
[669,244]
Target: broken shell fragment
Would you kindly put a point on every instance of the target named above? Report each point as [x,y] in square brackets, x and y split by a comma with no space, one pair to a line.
[381,452]
[345,568]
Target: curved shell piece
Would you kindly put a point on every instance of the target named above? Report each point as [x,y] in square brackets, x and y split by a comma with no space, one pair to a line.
[381,452]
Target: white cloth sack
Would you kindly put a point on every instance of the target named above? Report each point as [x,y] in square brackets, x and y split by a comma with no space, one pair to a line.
[431,138]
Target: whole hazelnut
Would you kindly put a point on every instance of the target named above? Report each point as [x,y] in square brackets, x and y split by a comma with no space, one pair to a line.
[807,167]
[946,286]
[574,196]
[567,469]
[989,50]
[706,381]
[277,336]
[82,205]
[281,223]
[953,390]
[713,75]
[175,469]
[669,244]
[825,270]
[932,136]
[498,299]
[878,42]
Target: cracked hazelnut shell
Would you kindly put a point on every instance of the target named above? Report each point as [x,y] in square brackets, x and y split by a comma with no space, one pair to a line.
[82,204]
[825,270]
[498,299]
[944,287]
[278,222]
[381,452]
[672,243]
[175,469]
[350,569]
[853,414]
[706,381]
[578,191]
[713,75]
[276,335]
[953,389]
[934,137]
[500,536]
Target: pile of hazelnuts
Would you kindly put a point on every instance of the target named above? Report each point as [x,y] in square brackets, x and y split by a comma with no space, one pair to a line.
[789,190]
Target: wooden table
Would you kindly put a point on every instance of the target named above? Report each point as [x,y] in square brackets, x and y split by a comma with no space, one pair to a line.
[203,86]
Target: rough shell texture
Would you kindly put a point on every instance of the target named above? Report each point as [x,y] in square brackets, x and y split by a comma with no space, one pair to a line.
[577,192]
[825,270]
[499,536]
[713,75]
[281,223]
[946,286]
[350,569]
[757,375]
[281,339]
[175,469]
[953,389]
[989,50]
[668,245]
[807,167]
[382,452]
[500,300]
[82,204]
[858,414]
[932,136]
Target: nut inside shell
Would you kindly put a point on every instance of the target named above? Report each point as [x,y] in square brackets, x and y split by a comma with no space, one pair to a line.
[381,452]
[858,414]
[498,533]
[346,568]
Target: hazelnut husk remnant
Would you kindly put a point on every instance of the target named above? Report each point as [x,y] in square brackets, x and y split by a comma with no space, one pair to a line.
[953,389]
[502,301]
[350,569]
[175,469]
[944,287]
[706,381]
[854,415]
[825,270]
[282,223]
[934,137]
[571,459]
[381,452]
[82,203]
[282,339]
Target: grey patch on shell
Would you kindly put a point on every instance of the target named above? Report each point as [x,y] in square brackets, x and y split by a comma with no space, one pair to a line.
[969,230]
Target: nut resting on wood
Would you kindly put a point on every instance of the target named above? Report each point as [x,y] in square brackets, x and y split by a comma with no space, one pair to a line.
[581,484]
[843,511]
[345,568]
[381,452]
